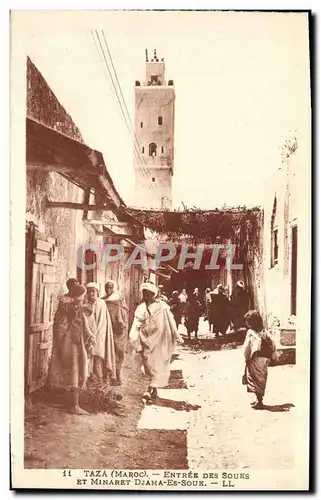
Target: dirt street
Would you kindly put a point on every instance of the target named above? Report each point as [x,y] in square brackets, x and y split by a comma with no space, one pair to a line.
[202,420]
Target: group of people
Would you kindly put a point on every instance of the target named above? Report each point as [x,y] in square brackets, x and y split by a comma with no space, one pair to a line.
[90,336]
[221,310]
[224,311]
[89,339]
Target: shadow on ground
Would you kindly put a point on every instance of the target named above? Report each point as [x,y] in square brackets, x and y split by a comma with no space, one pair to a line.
[278,408]
[175,405]
[223,342]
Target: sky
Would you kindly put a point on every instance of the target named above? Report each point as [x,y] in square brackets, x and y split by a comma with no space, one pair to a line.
[241,82]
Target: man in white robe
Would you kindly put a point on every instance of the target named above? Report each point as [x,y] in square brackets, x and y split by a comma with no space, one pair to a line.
[154,335]
[102,363]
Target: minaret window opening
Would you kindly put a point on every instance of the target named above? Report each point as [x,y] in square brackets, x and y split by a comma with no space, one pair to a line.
[141,124]
[152,149]
[143,149]
[162,149]
[160,120]
[153,179]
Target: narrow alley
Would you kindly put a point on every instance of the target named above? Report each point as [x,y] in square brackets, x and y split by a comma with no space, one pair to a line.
[203,420]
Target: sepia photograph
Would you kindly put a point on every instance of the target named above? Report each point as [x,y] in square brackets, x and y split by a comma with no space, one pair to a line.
[161,250]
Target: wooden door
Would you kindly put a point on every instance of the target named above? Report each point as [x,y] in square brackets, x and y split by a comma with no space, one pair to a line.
[39,310]
[135,278]
[294,270]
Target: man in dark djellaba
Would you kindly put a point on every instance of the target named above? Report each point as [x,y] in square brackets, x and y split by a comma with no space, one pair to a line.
[73,341]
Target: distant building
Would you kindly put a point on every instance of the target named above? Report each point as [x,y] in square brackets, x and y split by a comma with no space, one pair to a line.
[154,129]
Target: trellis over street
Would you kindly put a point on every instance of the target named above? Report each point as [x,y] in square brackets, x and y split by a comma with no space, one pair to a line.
[239,226]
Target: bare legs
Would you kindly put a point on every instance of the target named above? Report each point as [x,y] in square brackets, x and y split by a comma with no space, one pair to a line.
[73,406]
[150,395]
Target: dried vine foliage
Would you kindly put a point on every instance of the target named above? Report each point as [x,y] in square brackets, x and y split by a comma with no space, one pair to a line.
[239,225]
[98,397]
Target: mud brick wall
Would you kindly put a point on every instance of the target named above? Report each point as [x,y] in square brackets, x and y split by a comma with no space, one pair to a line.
[65,225]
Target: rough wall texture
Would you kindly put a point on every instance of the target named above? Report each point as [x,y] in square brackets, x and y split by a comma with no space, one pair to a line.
[65,225]
[43,106]
[153,188]
[282,188]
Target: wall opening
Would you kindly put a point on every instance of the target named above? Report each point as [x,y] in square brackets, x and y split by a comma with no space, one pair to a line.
[141,124]
[294,265]
[143,149]
[274,237]
[153,179]
[152,149]
[275,247]
[162,149]
[160,120]
[91,260]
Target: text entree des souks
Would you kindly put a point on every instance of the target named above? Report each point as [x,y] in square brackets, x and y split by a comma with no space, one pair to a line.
[165,478]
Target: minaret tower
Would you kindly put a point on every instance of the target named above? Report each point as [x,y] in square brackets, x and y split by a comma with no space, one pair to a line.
[154,129]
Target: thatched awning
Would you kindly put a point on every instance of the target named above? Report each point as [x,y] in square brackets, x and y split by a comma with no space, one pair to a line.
[47,148]
[208,226]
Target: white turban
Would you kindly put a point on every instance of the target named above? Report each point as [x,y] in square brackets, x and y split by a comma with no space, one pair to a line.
[93,285]
[150,287]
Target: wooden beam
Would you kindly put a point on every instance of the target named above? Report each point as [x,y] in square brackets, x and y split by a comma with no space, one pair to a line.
[49,168]
[115,223]
[131,242]
[160,274]
[106,231]
[105,222]
[109,191]
[74,206]
[109,232]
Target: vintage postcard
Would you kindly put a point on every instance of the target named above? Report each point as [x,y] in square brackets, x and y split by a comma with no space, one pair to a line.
[161,250]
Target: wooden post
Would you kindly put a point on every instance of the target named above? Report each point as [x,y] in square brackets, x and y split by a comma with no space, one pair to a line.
[86,202]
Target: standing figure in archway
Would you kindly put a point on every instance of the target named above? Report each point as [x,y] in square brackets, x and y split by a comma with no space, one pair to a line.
[207,301]
[183,298]
[239,305]
[193,314]
[220,311]
[176,307]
